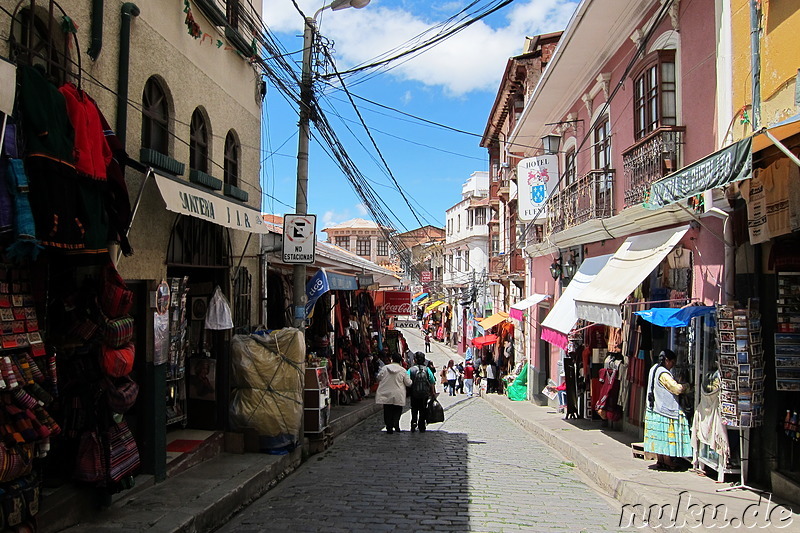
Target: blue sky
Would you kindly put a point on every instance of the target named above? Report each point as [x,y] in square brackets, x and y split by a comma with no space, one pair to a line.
[453,83]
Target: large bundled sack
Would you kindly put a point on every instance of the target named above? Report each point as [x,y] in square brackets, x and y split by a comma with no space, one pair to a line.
[267,376]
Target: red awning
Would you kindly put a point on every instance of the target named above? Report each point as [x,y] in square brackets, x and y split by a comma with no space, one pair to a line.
[486,340]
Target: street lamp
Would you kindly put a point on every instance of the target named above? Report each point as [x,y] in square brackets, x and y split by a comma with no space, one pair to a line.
[306,100]
[555,268]
[550,143]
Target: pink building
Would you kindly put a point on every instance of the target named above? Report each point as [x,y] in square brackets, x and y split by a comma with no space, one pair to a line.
[629,96]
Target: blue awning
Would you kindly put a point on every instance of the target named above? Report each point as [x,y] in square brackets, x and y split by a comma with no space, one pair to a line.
[672,317]
[420,297]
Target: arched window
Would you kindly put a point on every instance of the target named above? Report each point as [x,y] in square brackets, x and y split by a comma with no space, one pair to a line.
[198,142]
[654,101]
[155,117]
[38,39]
[231,159]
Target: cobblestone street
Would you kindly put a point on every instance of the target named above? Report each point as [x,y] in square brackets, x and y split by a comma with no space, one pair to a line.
[477,471]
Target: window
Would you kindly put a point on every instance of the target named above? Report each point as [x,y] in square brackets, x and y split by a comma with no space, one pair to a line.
[602,145]
[231,165]
[495,244]
[198,142]
[466,260]
[232,12]
[480,216]
[470,218]
[654,103]
[343,242]
[383,248]
[458,261]
[39,40]
[458,225]
[362,247]
[155,116]
[569,167]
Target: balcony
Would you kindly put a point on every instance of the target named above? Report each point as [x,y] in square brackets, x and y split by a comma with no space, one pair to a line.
[649,160]
[589,197]
[509,264]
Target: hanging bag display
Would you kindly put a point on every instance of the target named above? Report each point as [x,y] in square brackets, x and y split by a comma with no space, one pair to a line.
[121,393]
[218,315]
[90,464]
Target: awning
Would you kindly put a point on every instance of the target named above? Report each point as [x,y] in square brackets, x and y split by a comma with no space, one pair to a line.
[563,316]
[781,131]
[671,317]
[631,264]
[486,340]
[424,300]
[493,320]
[516,309]
[419,297]
[342,282]
[730,164]
[183,198]
[434,305]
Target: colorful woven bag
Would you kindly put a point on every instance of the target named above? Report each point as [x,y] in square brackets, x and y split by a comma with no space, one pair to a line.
[116,299]
[121,393]
[118,362]
[90,465]
[118,331]
[123,455]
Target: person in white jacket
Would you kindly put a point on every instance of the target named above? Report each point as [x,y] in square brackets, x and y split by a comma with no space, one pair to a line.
[393,380]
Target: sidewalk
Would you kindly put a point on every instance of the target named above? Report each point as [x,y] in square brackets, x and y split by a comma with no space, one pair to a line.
[205,496]
[605,457]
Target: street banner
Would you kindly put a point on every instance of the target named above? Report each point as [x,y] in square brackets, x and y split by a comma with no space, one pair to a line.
[316,287]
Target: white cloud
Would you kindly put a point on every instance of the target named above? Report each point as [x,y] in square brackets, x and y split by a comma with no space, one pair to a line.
[472,60]
[362,209]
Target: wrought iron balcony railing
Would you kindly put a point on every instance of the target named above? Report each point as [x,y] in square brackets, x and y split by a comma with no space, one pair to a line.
[587,198]
[649,160]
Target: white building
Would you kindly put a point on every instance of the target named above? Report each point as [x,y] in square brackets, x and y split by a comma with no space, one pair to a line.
[466,251]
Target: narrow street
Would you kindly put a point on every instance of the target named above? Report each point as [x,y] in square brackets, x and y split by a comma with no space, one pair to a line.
[477,471]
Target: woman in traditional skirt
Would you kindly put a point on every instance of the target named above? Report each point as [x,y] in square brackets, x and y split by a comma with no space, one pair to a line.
[666,431]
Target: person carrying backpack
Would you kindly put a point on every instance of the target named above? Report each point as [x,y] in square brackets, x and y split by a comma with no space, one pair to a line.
[423,387]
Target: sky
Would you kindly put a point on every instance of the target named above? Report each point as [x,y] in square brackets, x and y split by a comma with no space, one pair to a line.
[453,83]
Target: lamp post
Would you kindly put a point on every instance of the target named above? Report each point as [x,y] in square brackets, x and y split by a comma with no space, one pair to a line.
[306,100]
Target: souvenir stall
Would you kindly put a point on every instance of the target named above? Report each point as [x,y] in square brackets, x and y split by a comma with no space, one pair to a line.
[69,371]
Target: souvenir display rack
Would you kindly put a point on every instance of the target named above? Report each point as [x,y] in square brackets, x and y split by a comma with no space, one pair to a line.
[178,348]
[316,400]
[741,365]
[787,335]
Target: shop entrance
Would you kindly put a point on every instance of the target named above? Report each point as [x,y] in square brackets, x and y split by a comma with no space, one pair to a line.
[198,261]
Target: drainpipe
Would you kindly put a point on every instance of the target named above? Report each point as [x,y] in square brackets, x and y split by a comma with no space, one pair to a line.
[97,29]
[129,9]
[755,61]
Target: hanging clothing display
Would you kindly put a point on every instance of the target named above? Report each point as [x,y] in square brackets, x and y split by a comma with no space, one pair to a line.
[707,426]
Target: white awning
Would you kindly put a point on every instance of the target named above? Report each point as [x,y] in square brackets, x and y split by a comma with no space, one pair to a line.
[631,264]
[183,198]
[516,309]
[563,316]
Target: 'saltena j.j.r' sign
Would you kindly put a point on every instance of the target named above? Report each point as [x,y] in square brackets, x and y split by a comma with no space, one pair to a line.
[187,200]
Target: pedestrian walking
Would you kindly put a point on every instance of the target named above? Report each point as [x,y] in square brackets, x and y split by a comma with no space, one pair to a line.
[666,431]
[491,377]
[427,341]
[452,376]
[392,382]
[469,378]
[423,388]
[460,383]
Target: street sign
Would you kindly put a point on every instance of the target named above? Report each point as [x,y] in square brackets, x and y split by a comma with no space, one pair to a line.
[426,276]
[537,178]
[299,238]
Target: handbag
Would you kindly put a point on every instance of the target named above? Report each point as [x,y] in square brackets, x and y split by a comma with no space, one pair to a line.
[121,393]
[90,465]
[435,412]
[123,455]
[118,362]
[116,299]
[118,331]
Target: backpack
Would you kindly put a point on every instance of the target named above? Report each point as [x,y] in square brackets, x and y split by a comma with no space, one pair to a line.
[420,386]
